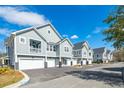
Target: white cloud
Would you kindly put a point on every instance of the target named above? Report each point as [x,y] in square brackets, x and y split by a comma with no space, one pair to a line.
[5,32]
[19,16]
[65,35]
[74,37]
[88,36]
[2,46]
[99,29]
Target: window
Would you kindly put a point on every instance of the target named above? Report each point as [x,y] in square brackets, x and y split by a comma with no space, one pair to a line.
[66,49]
[54,48]
[22,40]
[51,47]
[79,52]
[84,53]
[47,47]
[49,31]
[35,46]
[97,55]
[89,54]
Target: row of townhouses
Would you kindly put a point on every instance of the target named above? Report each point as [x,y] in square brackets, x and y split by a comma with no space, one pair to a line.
[42,46]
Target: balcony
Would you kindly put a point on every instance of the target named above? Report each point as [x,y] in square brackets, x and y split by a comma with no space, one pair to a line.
[35,50]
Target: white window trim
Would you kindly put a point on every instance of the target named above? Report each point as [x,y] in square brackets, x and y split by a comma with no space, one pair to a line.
[21,41]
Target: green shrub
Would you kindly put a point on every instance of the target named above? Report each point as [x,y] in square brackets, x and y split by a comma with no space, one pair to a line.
[4,70]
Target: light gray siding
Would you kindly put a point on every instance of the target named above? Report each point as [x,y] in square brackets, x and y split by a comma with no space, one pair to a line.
[63,52]
[24,49]
[49,34]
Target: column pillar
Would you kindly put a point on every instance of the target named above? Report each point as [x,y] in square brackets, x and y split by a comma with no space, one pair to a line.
[15,55]
[45,63]
[60,61]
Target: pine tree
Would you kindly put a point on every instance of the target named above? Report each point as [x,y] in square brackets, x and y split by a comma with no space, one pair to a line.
[115,32]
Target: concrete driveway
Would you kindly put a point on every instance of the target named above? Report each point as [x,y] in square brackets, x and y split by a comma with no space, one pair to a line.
[65,77]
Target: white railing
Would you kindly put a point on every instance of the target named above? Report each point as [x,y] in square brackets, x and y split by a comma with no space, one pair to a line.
[35,50]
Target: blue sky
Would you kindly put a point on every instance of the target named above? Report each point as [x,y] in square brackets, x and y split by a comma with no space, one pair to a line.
[78,23]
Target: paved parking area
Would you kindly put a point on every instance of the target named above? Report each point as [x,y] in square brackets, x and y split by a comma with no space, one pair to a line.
[88,76]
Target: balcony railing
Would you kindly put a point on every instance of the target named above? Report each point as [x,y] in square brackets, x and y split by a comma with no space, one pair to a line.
[35,50]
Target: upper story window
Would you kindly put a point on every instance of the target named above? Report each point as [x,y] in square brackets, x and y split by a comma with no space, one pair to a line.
[89,54]
[54,48]
[51,47]
[22,40]
[84,53]
[79,52]
[49,31]
[97,55]
[35,46]
[47,47]
[66,49]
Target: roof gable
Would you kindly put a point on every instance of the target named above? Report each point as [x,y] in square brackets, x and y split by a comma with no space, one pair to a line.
[66,39]
[52,27]
[80,45]
[99,50]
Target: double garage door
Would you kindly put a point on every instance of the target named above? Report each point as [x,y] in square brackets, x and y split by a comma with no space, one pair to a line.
[25,64]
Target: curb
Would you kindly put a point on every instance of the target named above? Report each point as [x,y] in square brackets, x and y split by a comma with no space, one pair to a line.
[20,83]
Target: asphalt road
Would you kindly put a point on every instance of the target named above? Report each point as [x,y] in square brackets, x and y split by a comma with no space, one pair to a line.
[102,75]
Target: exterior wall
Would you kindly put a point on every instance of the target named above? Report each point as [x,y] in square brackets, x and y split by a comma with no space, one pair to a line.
[84,50]
[105,56]
[77,53]
[50,37]
[100,56]
[24,49]
[90,56]
[84,56]
[11,53]
[58,51]
[63,53]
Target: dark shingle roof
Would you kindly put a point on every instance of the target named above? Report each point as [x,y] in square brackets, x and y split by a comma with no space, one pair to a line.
[78,45]
[99,50]
[108,51]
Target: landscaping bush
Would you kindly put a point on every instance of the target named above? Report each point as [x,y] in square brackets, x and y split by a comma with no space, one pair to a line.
[4,70]
[97,62]
[77,65]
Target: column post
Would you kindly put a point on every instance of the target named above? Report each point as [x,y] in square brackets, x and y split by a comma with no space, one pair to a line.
[60,61]
[45,63]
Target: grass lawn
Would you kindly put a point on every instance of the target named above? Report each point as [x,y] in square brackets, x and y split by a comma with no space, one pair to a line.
[10,77]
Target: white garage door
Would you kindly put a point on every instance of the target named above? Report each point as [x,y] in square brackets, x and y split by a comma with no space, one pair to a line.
[31,64]
[90,62]
[84,62]
[51,62]
[74,62]
[68,62]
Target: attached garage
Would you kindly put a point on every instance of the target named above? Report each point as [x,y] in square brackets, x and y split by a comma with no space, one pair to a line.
[84,62]
[74,62]
[51,62]
[89,62]
[25,64]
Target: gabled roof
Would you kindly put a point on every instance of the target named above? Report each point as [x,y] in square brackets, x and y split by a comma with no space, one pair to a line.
[37,27]
[79,45]
[99,50]
[108,51]
[65,40]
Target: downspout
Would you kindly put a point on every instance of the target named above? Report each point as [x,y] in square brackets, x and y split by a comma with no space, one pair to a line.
[46,57]
[15,54]
[60,63]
